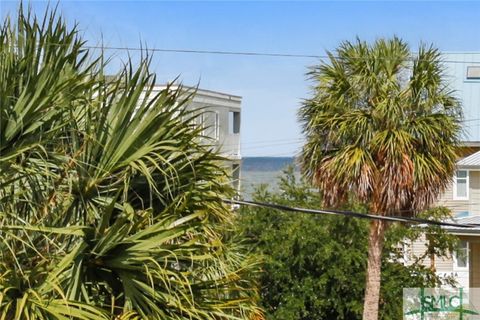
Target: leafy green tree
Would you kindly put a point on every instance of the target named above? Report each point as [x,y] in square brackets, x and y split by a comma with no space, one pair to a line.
[381,127]
[110,206]
[314,265]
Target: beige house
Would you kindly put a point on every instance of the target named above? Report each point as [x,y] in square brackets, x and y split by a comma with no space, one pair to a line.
[463,195]
[463,198]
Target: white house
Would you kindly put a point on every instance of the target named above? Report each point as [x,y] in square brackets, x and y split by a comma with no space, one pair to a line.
[219,114]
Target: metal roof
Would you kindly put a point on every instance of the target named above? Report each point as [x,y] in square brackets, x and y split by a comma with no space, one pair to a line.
[472,160]
[467,220]
[201,91]
[474,220]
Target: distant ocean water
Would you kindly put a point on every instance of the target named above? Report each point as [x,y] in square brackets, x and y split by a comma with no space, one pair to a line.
[262,170]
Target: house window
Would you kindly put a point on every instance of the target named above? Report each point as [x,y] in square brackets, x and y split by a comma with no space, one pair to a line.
[460,256]
[233,122]
[460,185]
[473,72]
[217,126]
[203,124]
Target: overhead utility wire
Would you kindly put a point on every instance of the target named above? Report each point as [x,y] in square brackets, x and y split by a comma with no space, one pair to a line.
[277,140]
[282,154]
[349,214]
[265,142]
[221,52]
[271,145]
[242,53]
[252,53]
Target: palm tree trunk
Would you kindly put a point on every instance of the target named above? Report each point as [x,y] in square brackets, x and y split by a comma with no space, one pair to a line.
[374,268]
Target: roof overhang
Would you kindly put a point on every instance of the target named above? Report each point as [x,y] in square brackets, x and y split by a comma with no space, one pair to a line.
[471,144]
[464,231]
[470,162]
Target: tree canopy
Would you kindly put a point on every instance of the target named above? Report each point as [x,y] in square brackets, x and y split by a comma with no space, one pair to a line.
[314,265]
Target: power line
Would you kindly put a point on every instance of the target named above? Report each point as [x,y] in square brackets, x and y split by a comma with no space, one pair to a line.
[282,154]
[219,52]
[350,214]
[471,120]
[246,53]
[253,53]
[272,145]
[265,143]
[268,141]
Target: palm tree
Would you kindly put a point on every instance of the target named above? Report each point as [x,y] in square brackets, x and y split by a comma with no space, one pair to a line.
[110,205]
[381,128]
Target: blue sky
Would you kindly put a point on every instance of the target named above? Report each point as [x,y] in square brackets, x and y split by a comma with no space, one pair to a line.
[272,88]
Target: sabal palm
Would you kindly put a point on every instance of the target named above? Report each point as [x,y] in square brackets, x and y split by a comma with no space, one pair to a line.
[382,127]
[109,205]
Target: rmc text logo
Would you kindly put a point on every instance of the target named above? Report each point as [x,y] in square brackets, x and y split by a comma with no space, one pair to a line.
[436,303]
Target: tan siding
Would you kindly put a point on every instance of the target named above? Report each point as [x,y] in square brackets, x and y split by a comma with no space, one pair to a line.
[444,264]
[474,193]
[472,205]
[418,249]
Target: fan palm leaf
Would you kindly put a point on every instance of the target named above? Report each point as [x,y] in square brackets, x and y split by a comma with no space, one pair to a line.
[111,202]
[382,127]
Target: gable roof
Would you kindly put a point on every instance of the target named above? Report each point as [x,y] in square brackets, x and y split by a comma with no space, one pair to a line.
[472,160]
[200,91]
